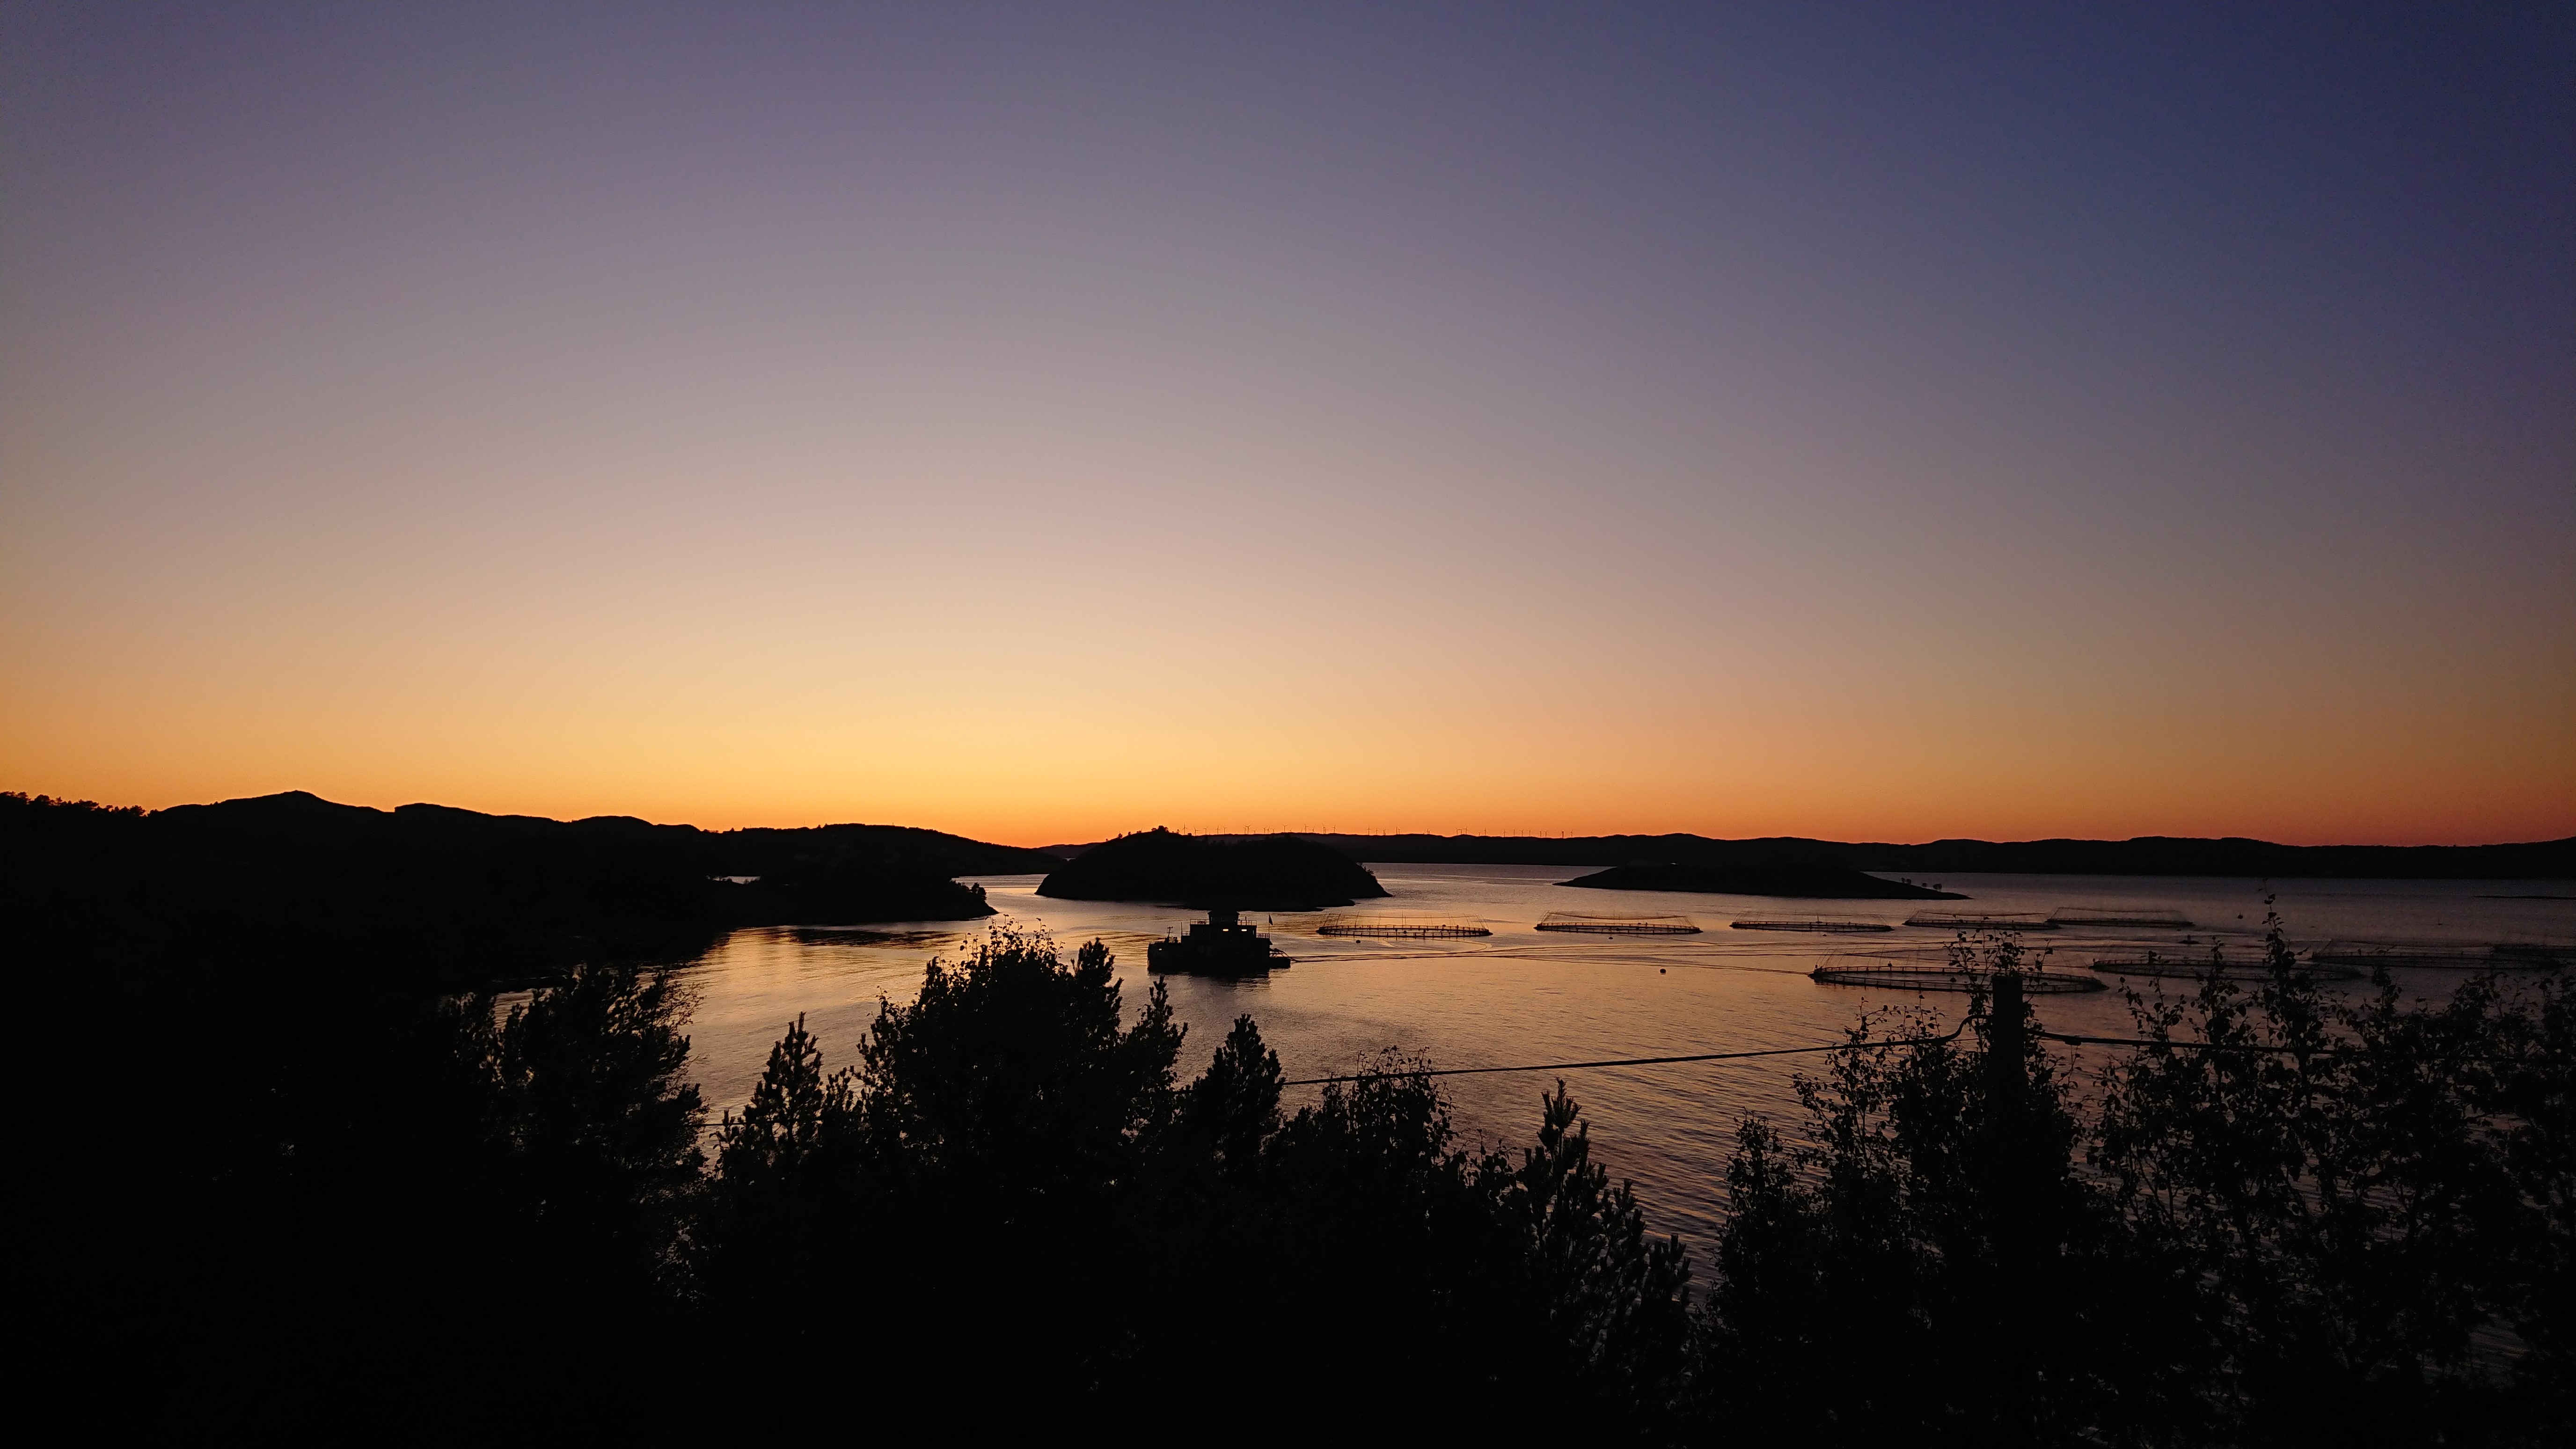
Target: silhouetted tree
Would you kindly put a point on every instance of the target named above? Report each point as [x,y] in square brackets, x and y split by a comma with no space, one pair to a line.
[595,1129]
[796,1115]
[1612,1303]
[1930,1261]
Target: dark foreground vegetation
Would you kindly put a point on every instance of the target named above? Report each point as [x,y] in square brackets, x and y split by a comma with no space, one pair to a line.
[299,1194]
[1813,882]
[1258,873]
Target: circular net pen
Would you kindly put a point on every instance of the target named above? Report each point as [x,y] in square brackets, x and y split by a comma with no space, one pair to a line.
[2446,958]
[1899,976]
[1977,921]
[1619,925]
[2154,964]
[1403,930]
[2152,918]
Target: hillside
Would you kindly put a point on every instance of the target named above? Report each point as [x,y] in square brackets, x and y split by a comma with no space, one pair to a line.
[456,894]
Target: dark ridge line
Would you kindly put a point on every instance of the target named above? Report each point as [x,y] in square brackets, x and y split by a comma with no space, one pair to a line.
[2235,857]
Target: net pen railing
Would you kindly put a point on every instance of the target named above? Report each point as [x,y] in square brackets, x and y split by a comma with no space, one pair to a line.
[1902,976]
[2155,918]
[2510,956]
[1403,930]
[2157,964]
[1596,925]
[1819,925]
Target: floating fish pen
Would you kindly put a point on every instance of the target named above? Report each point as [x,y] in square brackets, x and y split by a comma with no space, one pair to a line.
[2120,916]
[1975,921]
[2447,958]
[1896,976]
[1821,924]
[1401,930]
[1620,925]
[2154,964]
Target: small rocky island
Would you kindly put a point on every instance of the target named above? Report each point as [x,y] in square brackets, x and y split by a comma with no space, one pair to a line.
[1268,873]
[1810,882]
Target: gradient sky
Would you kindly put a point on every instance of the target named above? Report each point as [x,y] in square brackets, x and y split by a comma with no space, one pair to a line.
[1043,421]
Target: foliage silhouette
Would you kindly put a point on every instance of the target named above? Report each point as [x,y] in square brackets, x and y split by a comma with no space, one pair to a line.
[2289,1219]
[1025,1146]
[2362,1185]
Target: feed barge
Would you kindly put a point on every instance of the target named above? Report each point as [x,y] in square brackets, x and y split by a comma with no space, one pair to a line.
[1221,945]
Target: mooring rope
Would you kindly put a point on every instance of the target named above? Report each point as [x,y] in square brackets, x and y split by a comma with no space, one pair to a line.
[1846,1046]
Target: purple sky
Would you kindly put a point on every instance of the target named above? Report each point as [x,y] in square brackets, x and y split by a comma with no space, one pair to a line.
[1038,421]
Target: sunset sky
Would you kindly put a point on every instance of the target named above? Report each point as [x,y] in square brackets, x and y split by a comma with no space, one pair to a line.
[1038,422]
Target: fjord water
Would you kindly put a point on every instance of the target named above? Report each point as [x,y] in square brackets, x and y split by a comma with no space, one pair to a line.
[1521,996]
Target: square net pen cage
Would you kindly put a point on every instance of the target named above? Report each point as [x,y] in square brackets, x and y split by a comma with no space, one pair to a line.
[1820,925]
[1400,930]
[1590,925]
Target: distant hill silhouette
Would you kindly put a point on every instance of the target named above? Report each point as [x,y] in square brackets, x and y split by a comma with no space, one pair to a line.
[1817,882]
[762,850]
[2145,855]
[1264,873]
[430,888]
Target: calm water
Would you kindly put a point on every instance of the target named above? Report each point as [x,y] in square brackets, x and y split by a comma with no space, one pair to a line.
[1523,996]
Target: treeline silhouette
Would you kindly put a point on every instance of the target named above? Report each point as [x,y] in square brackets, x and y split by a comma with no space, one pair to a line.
[291,1194]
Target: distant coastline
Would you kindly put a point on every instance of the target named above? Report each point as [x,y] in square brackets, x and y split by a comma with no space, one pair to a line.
[1806,882]
[2232,856]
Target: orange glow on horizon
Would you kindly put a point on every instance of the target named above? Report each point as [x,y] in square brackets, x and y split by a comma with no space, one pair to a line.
[1367,434]
[1436,772]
